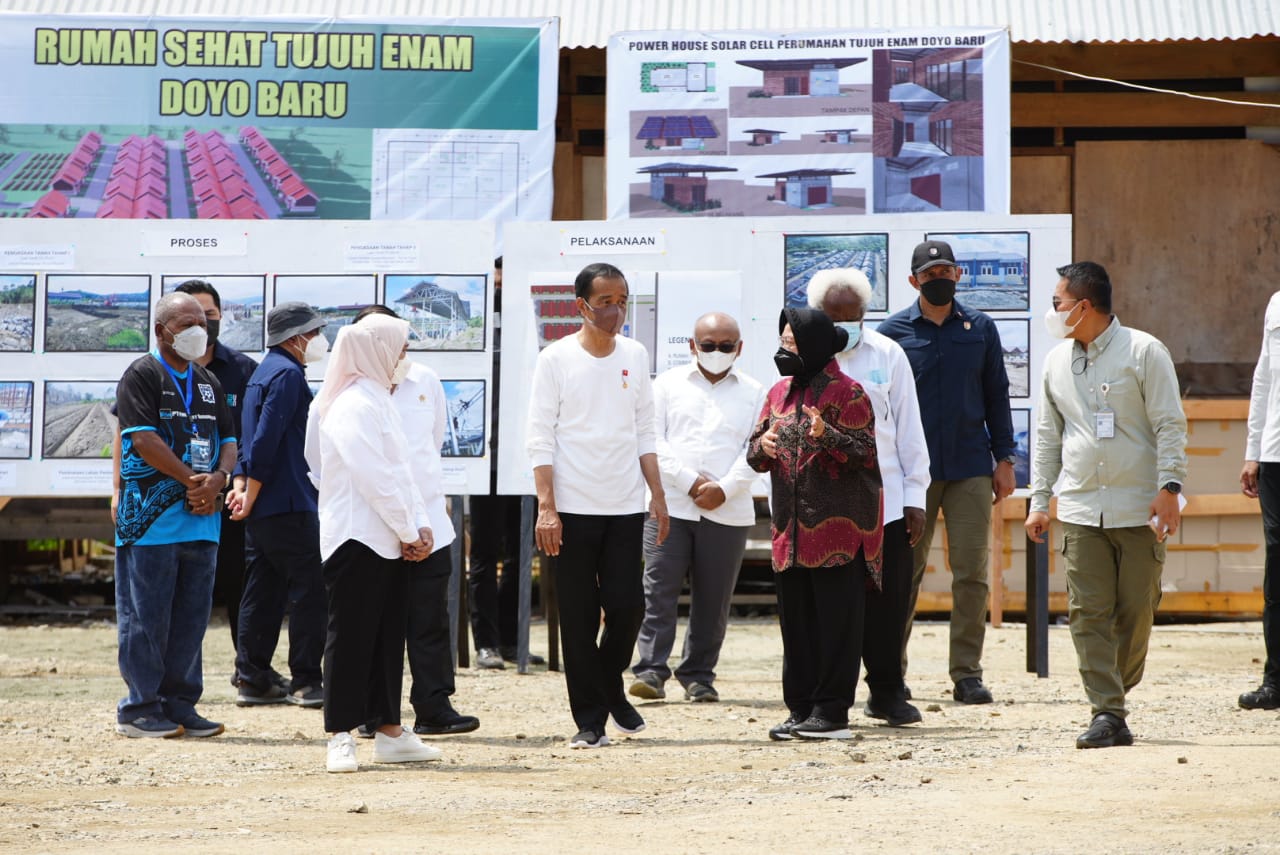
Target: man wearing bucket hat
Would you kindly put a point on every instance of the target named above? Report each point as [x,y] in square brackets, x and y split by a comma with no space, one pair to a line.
[282,539]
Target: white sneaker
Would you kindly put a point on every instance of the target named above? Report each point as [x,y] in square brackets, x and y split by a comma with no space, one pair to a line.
[342,753]
[405,748]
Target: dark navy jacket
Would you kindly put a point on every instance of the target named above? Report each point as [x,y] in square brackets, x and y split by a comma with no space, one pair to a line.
[273,430]
[962,386]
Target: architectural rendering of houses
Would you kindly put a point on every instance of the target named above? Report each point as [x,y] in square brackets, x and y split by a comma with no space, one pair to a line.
[684,132]
[927,103]
[842,136]
[796,77]
[805,188]
[991,268]
[764,136]
[677,77]
[682,185]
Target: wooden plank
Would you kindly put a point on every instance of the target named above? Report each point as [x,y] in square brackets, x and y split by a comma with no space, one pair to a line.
[1234,603]
[995,590]
[1041,185]
[1216,409]
[5,500]
[1220,505]
[1214,547]
[1257,57]
[566,169]
[1140,109]
[1161,252]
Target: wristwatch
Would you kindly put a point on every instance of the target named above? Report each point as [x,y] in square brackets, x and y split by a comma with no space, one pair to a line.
[1011,459]
[1173,487]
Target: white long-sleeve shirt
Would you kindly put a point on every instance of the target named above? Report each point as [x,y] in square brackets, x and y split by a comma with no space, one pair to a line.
[359,460]
[702,429]
[590,419]
[1263,442]
[881,366]
[421,404]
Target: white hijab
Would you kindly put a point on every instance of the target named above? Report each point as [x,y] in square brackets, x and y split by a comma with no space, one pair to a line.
[368,349]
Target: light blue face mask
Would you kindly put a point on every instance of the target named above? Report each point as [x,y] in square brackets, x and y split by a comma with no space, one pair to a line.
[854,329]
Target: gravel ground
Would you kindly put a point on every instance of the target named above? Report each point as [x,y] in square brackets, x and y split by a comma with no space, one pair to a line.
[1001,778]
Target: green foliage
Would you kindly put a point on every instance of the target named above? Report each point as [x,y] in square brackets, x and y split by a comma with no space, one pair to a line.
[126,340]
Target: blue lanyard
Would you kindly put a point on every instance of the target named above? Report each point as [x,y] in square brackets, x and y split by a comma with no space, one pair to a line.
[186,401]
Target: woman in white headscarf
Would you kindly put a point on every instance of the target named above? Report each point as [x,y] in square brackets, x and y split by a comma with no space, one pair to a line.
[371,516]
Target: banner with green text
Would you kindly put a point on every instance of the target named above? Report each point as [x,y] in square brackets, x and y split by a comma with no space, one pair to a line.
[330,118]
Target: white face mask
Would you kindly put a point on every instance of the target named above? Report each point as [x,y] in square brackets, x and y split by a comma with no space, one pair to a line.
[715,362]
[316,349]
[191,343]
[401,371]
[1056,322]
[854,329]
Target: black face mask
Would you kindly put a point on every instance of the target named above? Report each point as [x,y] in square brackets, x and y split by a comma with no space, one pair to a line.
[939,292]
[213,325]
[789,364]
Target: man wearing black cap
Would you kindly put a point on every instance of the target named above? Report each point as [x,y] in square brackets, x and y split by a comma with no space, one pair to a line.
[273,493]
[958,363]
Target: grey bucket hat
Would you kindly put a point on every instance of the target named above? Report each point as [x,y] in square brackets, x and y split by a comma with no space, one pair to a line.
[289,319]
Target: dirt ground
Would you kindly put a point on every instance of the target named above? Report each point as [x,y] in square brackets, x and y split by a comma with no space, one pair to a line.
[1001,778]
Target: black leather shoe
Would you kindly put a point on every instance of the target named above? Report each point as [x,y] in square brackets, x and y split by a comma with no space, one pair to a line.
[446,723]
[782,732]
[509,654]
[971,691]
[895,714]
[1265,697]
[906,692]
[1107,731]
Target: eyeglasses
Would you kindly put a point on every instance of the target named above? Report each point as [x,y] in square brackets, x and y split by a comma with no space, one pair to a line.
[723,347]
[787,342]
[1057,304]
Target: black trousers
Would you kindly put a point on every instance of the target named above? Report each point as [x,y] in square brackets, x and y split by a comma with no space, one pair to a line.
[364,647]
[283,552]
[821,610]
[1269,499]
[495,537]
[599,567]
[228,580]
[886,617]
[427,635]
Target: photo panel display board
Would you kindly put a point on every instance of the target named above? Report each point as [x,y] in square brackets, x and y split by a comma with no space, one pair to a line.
[826,124]
[752,268]
[278,117]
[77,304]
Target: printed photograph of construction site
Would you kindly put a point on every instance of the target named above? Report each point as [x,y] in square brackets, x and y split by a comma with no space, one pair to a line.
[15,419]
[336,298]
[97,312]
[242,301]
[445,311]
[17,312]
[464,422]
[77,418]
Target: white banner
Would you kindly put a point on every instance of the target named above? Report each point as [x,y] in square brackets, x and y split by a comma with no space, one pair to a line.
[833,123]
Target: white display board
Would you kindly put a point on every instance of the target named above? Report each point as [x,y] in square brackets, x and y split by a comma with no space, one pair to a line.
[76,301]
[776,123]
[1009,265]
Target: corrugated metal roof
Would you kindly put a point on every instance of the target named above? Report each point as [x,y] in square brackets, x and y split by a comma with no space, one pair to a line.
[591,22]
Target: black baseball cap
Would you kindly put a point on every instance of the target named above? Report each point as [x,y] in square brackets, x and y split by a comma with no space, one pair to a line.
[930,254]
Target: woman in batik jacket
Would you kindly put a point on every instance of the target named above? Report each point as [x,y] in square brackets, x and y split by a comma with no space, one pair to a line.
[816,439]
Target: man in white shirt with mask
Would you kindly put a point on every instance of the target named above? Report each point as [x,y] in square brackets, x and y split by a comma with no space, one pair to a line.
[880,365]
[704,413]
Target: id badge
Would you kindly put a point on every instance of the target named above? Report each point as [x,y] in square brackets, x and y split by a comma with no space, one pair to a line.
[201,451]
[1104,424]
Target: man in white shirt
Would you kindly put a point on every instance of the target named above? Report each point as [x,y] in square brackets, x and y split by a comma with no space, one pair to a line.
[704,414]
[419,398]
[880,365]
[1260,479]
[591,442]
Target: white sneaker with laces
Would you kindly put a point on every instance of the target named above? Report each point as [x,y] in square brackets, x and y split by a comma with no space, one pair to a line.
[405,748]
[342,753]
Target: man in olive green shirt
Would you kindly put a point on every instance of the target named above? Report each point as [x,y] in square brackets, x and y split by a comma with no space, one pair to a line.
[1111,424]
